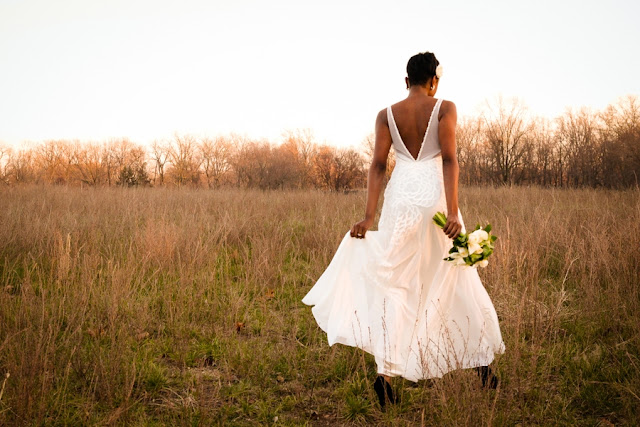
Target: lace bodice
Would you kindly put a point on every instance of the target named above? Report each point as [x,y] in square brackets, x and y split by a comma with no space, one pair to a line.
[414,183]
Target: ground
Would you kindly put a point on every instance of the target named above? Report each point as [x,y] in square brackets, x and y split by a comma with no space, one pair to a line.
[182,307]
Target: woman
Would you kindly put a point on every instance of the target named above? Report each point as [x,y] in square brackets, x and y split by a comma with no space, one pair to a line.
[389,291]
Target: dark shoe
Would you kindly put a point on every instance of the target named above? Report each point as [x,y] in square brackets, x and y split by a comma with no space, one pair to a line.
[488,377]
[393,398]
[385,392]
[378,386]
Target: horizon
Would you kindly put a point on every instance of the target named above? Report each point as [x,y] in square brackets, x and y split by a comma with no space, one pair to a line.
[147,70]
[279,138]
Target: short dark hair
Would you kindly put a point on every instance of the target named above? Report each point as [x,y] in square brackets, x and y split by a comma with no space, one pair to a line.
[421,68]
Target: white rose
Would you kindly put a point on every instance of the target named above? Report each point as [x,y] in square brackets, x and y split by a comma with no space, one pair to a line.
[478,236]
[483,263]
[439,71]
[463,252]
[474,248]
[474,239]
[483,235]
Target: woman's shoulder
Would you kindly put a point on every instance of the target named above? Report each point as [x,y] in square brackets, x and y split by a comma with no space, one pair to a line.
[446,103]
[382,116]
[447,107]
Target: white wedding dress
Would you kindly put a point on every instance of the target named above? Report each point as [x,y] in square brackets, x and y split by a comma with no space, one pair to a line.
[392,294]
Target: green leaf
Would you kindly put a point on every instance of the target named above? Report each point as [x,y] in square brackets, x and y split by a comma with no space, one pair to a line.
[461,240]
[440,219]
[488,228]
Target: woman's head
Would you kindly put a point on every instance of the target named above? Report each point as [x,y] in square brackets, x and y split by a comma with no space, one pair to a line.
[421,69]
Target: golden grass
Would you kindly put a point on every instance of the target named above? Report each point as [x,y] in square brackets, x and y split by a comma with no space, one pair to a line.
[181,306]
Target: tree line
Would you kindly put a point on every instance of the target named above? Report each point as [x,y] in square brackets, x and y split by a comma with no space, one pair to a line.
[298,161]
[580,148]
[503,144]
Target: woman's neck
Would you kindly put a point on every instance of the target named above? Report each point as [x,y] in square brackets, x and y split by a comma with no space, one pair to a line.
[417,90]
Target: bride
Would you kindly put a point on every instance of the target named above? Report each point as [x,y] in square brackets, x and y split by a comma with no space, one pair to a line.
[389,292]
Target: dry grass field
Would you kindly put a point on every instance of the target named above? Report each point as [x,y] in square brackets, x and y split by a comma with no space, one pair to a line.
[182,307]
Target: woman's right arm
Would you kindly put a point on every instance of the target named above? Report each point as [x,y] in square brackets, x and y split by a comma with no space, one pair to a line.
[447,136]
[376,174]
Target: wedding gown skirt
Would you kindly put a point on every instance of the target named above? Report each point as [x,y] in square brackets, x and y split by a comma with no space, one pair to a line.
[392,295]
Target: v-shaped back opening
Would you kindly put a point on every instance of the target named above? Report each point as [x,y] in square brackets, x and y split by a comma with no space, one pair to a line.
[426,132]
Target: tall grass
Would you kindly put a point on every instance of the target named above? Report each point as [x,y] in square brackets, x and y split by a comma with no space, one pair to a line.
[177,306]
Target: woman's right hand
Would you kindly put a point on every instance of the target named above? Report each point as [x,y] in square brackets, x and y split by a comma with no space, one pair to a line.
[359,229]
[453,227]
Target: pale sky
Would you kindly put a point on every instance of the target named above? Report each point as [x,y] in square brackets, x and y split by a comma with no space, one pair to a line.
[144,69]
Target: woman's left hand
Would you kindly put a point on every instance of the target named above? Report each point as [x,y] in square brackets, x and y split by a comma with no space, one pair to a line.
[359,229]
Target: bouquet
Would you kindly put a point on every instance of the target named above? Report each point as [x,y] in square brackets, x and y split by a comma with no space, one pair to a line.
[471,249]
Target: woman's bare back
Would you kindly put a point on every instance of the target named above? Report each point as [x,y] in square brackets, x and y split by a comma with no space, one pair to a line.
[412,118]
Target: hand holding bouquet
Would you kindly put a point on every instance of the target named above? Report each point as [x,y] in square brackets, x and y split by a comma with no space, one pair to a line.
[471,249]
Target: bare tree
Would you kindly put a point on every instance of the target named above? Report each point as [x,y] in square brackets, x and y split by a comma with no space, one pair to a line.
[507,127]
[301,145]
[21,166]
[215,157]
[322,167]
[578,133]
[54,160]
[184,159]
[286,168]
[87,160]
[5,153]
[621,143]
[109,162]
[124,162]
[338,169]
[471,151]
[544,154]
[348,169]
[159,156]
[251,163]
[134,170]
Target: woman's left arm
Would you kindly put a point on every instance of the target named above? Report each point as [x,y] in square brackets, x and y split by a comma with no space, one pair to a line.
[450,168]
[376,175]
